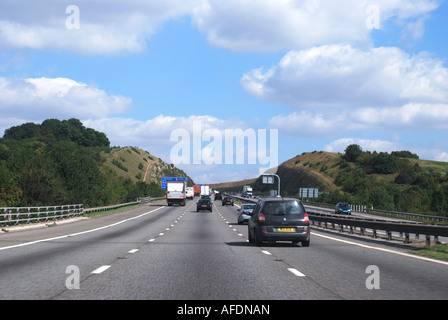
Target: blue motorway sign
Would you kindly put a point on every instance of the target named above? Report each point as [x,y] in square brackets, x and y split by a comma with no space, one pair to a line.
[165,179]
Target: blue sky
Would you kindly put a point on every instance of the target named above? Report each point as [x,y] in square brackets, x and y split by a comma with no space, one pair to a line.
[138,70]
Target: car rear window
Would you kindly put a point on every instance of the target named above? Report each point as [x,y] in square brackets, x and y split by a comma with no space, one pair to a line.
[282,207]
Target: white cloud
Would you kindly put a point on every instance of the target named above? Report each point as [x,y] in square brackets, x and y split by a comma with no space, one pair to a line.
[271,25]
[442,156]
[123,27]
[106,27]
[416,116]
[309,124]
[156,132]
[41,98]
[344,76]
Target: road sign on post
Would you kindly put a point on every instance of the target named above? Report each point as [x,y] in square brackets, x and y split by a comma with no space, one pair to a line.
[165,179]
[269,179]
[308,193]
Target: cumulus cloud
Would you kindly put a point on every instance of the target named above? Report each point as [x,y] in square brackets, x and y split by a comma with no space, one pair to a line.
[344,76]
[156,132]
[271,25]
[40,98]
[105,28]
[123,27]
[310,124]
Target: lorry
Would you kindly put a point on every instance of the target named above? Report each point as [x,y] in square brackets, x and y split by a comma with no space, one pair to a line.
[247,191]
[176,192]
[190,193]
[205,191]
[197,190]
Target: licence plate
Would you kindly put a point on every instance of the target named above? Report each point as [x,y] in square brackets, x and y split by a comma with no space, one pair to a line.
[204,206]
[285,229]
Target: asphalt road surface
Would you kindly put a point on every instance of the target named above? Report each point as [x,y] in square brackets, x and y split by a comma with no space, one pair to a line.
[175,253]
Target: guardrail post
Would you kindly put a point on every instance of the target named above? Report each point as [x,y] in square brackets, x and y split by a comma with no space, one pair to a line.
[389,235]
[406,238]
[428,240]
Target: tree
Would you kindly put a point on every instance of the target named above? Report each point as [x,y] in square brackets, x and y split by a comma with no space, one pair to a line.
[384,164]
[353,152]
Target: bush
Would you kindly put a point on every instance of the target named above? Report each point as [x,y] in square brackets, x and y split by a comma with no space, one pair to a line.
[353,152]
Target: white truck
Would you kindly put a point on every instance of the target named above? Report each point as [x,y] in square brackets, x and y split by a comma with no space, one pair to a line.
[247,191]
[190,193]
[205,191]
[176,192]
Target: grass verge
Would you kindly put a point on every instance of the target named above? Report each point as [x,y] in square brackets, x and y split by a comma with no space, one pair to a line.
[438,251]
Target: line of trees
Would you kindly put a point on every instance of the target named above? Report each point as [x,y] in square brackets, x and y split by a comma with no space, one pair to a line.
[58,162]
[413,189]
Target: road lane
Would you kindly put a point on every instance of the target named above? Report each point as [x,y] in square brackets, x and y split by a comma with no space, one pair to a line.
[340,265]
[178,253]
[201,258]
[38,270]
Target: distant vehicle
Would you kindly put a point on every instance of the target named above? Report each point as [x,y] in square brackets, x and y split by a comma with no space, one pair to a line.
[205,190]
[204,204]
[176,192]
[343,208]
[218,195]
[190,193]
[227,200]
[197,190]
[247,191]
[279,219]
[245,212]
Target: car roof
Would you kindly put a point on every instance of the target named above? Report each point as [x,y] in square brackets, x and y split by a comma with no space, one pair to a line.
[279,199]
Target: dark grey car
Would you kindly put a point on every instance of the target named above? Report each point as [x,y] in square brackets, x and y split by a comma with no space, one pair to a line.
[279,219]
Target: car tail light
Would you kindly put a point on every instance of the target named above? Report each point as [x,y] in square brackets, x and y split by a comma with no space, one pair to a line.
[306,218]
[261,218]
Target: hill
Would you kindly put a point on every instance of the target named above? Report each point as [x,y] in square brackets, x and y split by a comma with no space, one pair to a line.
[63,162]
[398,181]
[235,186]
[139,165]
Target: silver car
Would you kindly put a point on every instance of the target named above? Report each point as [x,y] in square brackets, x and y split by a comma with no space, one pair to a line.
[245,212]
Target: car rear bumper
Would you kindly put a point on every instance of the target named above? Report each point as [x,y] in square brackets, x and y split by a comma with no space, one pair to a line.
[203,208]
[301,233]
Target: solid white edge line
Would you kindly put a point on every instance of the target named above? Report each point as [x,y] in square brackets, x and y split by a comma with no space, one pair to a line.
[382,249]
[76,234]
[100,270]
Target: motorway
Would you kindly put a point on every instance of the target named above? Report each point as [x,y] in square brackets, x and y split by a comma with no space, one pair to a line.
[155,252]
